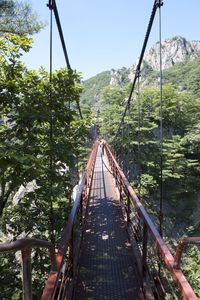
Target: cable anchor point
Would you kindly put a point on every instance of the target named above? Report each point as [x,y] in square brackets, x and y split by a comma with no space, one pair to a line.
[138,73]
[50,5]
[159,3]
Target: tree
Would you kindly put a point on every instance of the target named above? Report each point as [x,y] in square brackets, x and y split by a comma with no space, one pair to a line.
[138,148]
[17,17]
[35,165]
[12,72]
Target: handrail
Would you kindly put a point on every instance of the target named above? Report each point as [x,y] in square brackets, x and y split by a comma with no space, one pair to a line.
[57,260]
[185,288]
[25,245]
[82,195]
[50,288]
[180,247]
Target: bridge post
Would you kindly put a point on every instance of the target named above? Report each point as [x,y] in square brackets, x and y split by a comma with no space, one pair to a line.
[26,271]
[128,208]
[115,174]
[81,210]
[120,190]
[72,253]
[144,251]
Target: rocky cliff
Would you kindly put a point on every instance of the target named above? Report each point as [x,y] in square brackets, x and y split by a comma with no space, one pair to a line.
[174,50]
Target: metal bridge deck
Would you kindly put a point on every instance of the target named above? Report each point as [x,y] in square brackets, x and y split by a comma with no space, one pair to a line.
[107,268]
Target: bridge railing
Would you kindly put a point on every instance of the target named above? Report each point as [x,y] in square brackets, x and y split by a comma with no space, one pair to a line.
[25,245]
[158,269]
[63,264]
[60,282]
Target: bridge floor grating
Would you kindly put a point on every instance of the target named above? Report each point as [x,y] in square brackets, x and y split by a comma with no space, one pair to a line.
[107,270]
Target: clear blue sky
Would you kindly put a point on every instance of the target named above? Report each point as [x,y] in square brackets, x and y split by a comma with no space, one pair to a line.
[105,34]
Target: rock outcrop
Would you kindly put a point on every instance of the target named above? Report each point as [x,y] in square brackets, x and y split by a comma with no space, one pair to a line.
[174,50]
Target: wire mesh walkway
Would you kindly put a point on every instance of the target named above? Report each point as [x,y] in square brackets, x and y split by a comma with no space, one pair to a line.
[107,268]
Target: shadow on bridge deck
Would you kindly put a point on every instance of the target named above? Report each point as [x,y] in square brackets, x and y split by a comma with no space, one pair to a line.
[107,268]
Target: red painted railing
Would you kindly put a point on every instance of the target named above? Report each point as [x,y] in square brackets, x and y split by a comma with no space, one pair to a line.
[155,261]
[25,245]
[150,248]
[64,262]
[60,283]
[180,248]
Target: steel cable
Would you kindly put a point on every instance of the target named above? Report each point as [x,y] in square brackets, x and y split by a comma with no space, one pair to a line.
[139,139]
[51,159]
[157,3]
[161,123]
[52,6]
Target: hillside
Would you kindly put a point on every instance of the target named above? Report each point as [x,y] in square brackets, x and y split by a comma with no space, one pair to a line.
[181,64]
[93,87]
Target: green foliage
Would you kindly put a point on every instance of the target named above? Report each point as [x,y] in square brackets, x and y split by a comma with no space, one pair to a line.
[185,75]
[137,144]
[17,17]
[190,266]
[92,88]
[137,147]
[41,137]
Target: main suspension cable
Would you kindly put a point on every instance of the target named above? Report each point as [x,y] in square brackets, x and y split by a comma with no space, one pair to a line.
[52,6]
[137,73]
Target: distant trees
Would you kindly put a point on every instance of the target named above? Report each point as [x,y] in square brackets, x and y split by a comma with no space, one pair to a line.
[181,151]
[137,147]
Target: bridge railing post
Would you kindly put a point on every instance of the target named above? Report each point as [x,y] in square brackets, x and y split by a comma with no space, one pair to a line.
[180,247]
[120,188]
[72,253]
[128,208]
[26,274]
[144,251]
[25,245]
[115,175]
[81,210]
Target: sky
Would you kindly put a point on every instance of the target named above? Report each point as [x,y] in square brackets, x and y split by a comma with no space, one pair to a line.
[108,34]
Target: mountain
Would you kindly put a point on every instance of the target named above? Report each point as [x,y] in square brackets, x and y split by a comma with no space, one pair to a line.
[174,50]
[178,56]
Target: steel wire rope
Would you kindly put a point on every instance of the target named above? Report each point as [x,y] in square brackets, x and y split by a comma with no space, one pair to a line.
[123,146]
[51,159]
[53,6]
[139,137]
[160,216]
[129,137]
[161,123]
[153,13]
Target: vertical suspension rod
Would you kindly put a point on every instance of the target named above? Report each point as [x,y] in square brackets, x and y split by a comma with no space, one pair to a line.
[157,3]
[139,138]
[161,122]
[51,129]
